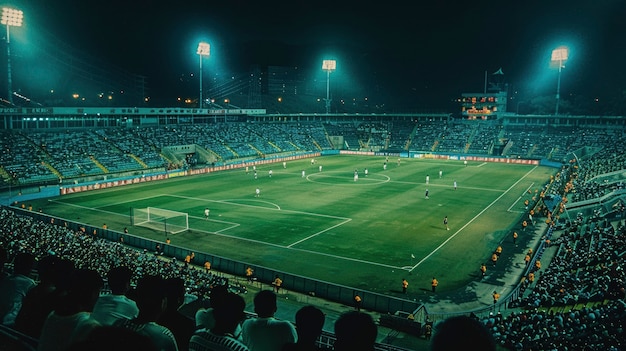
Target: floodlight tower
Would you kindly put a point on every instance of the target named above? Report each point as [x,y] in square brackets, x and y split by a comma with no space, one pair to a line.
[328,66]
[10,18]
[559,57]
[204,49]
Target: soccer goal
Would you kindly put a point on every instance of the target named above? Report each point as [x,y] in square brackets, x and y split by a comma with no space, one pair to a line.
[172,222]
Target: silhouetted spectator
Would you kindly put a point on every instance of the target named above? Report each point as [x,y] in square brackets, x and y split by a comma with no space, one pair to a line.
[355,331]
[461,333]
[151,301]
[266,333]
[116,305]
[204,316]
[180,325]
[71,320]
[14,288]
[309,324]
[43,298]
[228,314]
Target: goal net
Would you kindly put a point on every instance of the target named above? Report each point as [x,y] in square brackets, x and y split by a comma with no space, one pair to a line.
[172,222]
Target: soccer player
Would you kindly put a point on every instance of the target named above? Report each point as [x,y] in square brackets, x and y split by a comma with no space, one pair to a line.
[206,213]
[455,185]
[427,179]
[320,168]
[284,164]
[385,166]
[303,174]
[257,192]
[445,222]
[426,194]
[366,171]
[440,174]
[270,173]
[356,175]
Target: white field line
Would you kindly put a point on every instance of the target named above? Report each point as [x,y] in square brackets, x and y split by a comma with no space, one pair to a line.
[87,208]
[318,233]
[277,208]
[519,198]
[470,221]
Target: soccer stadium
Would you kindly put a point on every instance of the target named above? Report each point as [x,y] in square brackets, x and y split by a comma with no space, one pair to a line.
[511,222]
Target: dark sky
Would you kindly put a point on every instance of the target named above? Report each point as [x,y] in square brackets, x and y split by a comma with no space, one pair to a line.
[436,49]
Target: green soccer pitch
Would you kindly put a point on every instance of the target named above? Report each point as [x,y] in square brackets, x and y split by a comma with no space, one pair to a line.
[367,234]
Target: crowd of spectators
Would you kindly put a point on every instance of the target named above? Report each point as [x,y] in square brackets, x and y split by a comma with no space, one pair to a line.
[588,266]
[598,328]
[41,156]
[69,289]
[577,302]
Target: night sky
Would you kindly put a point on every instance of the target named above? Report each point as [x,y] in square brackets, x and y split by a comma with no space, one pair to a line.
[425,52]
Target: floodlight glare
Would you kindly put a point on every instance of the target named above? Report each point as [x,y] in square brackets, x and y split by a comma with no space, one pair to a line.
[328,66]
[10,18]
[559,56]
[204,50]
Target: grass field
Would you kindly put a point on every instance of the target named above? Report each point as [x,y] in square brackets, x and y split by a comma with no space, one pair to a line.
[368,234]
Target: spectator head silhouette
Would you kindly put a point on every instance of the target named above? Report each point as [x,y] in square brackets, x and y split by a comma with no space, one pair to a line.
[23,263]
[265,303]
[229,313]
[309,324]
[85,288]
[355,331]
[119,279]
[218,292]
[174,292]
[461,333]
[151,297]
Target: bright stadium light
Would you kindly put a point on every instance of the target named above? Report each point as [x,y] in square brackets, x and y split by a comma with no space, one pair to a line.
[10,18]
[328,66]
[204,50]
[559,57]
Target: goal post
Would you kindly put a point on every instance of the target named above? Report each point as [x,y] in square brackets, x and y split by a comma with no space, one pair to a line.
[172,222]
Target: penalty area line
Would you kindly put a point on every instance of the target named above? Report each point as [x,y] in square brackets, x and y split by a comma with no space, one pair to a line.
[519,198]
[470,221]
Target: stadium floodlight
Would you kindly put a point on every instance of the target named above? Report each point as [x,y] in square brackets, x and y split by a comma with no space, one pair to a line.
[10,18]
[559,57]
[204,50]
[328,66]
